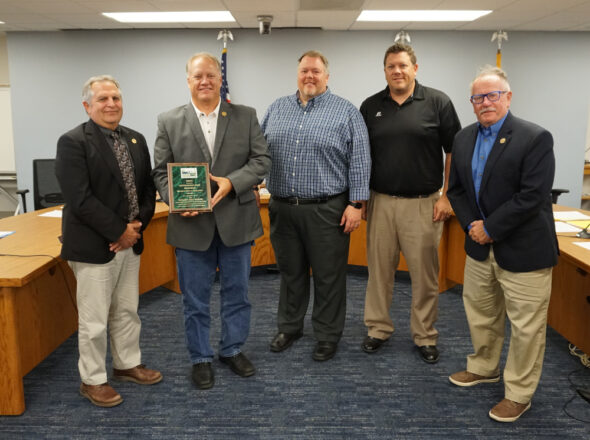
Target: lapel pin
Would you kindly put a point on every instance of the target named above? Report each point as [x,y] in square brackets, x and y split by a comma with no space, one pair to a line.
[224,114]
[133,140]
[503,140]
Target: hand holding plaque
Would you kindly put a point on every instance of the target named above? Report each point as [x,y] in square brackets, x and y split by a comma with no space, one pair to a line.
[189,189]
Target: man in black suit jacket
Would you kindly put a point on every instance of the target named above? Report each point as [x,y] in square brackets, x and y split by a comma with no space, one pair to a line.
[500,184]
[104,173]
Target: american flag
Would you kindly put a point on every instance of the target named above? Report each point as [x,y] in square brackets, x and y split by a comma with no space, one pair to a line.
[224,85]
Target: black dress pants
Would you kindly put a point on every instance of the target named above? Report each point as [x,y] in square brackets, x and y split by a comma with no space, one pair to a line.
[304,237]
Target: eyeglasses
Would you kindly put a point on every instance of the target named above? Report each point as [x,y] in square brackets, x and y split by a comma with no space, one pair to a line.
[492,96]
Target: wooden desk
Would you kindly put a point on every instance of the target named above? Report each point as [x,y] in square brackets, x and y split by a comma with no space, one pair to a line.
[38,300]
[38,294]
[569,308]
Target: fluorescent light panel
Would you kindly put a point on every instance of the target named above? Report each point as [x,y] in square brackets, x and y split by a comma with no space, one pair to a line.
[171,17]
[421,15]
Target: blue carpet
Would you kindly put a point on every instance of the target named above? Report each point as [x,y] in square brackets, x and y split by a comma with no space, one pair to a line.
[390,394]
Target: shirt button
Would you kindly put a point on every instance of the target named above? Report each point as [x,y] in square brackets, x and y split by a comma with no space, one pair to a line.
[297,142]
[293,174]
[295,158]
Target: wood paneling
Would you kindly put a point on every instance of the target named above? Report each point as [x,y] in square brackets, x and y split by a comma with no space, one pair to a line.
[569,308]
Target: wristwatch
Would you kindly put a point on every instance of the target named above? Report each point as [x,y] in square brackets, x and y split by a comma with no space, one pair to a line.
[357,205]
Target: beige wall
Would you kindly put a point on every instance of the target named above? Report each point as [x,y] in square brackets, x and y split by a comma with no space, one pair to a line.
[4,78]
[7,164]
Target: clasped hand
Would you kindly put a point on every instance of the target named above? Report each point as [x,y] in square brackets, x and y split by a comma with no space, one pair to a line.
[478,233]
[128,238]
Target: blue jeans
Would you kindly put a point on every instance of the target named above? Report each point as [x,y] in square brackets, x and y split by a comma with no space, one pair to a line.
[196,274]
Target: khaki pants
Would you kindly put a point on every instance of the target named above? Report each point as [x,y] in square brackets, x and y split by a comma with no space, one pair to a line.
[394,225]
[489,294]
[107,294]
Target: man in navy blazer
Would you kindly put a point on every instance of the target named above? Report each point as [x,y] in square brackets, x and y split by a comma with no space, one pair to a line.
[104,170]
[500,184]
[229,139]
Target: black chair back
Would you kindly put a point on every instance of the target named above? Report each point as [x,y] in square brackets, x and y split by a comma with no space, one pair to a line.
[556,192]
[46,190]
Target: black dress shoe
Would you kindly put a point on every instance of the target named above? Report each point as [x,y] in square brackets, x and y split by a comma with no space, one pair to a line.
[203,375]
[282,341]
[429,353]
[372,345]
[239,364]
[324,351]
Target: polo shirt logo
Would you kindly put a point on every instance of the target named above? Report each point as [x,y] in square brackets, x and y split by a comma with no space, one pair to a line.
[378,115]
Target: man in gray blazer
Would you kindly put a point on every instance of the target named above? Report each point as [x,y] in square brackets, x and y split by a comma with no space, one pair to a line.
[229,139]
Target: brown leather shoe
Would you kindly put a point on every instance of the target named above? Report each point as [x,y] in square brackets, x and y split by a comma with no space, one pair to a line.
[508,410]
[139,374]
[101,395]
[467,379]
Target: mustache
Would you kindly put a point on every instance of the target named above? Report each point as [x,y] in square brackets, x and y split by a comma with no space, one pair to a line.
[487,109]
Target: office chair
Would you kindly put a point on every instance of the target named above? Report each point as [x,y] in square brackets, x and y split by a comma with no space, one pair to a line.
[23,200]
[556,192]
[46,190]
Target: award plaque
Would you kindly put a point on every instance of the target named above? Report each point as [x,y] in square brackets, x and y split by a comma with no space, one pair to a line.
[189,188]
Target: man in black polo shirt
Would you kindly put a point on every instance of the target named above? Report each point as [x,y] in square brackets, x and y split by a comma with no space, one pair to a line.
[410,126]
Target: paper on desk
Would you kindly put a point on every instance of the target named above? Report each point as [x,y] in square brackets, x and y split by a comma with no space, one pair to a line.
[580,223]
[584,244]
[5,233]
[570,215]
[55,213]
[566,227]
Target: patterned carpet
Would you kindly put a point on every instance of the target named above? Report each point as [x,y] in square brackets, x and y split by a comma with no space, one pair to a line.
[391,394]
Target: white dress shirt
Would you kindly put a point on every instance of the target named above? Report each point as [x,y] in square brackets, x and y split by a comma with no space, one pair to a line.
[208,125]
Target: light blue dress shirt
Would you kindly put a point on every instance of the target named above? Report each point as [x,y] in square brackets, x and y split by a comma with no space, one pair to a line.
[486,138]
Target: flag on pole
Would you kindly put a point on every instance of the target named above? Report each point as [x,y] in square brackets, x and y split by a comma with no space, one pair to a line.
[224,85]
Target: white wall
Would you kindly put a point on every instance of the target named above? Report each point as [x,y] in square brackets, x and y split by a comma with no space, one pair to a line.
[549,75]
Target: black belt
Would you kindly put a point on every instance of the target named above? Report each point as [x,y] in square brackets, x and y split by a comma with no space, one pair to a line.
[305,201]
[412,196]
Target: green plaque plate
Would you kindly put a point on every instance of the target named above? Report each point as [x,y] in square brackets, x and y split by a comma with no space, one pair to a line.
[189,187]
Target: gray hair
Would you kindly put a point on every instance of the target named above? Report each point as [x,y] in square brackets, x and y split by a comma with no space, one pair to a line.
[489,70]
[205,55]
[87,91]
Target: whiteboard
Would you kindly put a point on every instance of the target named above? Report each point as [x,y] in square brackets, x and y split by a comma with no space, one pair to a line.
[6,139]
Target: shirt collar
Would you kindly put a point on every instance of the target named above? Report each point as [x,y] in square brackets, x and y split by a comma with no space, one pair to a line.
[316,99]
[108,132]
[492,130]
[215,112]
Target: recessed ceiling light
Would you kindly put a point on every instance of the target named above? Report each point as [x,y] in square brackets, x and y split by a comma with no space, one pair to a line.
[421,15]
[171,17]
